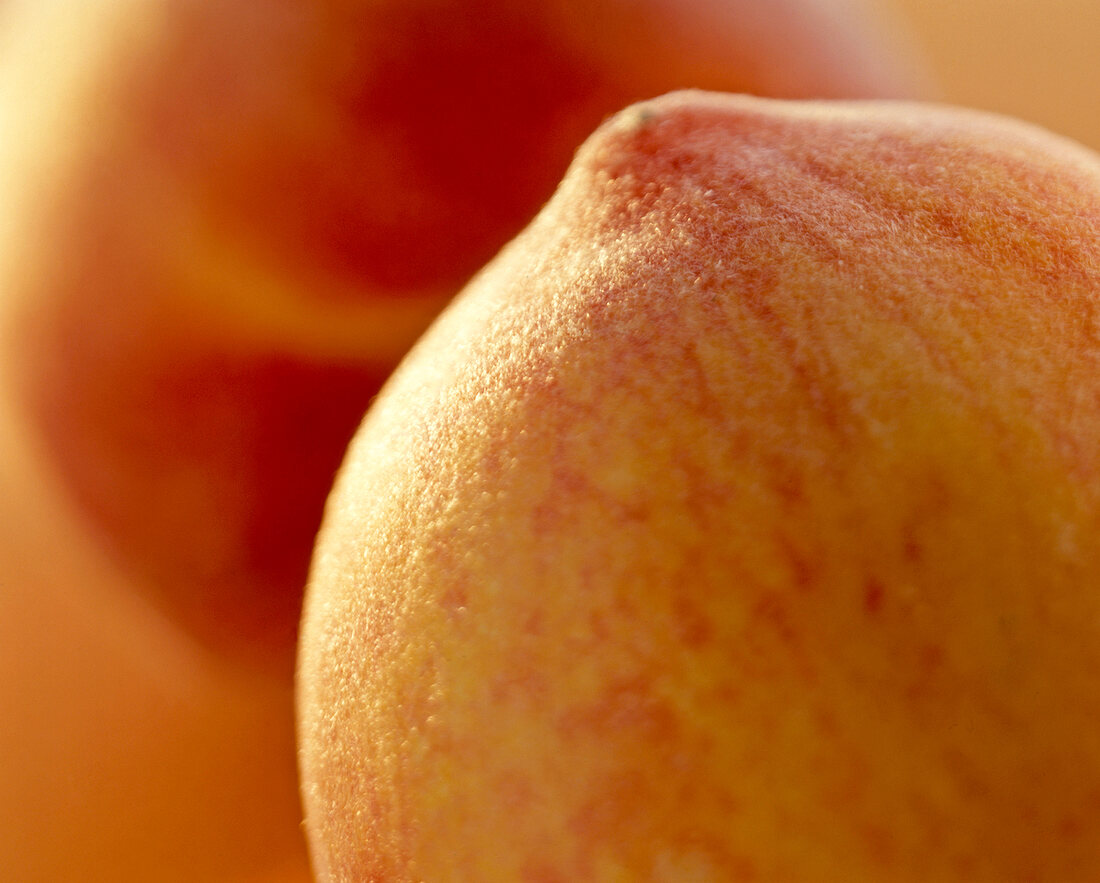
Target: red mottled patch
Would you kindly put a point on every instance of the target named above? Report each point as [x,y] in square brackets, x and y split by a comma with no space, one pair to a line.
[804,575]
[771,609]
[537,870]
[630,705]
[873,595]
[693,626]
[454,599]
[879,843]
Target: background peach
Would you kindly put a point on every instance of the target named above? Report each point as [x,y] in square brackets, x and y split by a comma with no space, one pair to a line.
[218,235]
[256,209]
[126,753]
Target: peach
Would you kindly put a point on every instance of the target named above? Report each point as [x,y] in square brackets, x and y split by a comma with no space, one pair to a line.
[738,522]
[235,217]
[127,754]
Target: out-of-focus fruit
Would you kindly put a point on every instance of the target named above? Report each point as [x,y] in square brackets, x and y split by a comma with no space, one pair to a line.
[127,754]
[230,219]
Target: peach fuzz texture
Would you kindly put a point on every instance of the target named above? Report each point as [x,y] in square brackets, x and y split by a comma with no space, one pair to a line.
[258,207]
[738,522]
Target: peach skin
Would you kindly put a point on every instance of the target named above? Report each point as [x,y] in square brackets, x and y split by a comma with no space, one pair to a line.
[236,216]
[738,522]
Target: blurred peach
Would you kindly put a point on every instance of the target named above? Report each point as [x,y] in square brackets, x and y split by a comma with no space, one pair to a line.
[222,225]
[237,216]
[126,753]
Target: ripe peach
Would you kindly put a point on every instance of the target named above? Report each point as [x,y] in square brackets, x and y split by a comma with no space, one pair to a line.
[235,216]
[738,522]
[127,753]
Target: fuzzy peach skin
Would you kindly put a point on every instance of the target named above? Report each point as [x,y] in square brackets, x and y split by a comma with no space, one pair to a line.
[237,215]
[738,522]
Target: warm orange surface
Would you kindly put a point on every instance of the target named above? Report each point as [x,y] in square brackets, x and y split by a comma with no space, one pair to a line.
[738,523]
[1034,59]
[254,210]
[221,224]
[125,754]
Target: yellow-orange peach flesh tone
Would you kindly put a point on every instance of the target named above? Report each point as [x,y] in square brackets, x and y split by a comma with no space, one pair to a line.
[235,216]
[739,522]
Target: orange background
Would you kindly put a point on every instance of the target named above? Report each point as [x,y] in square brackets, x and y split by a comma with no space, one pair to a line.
[1034,59]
